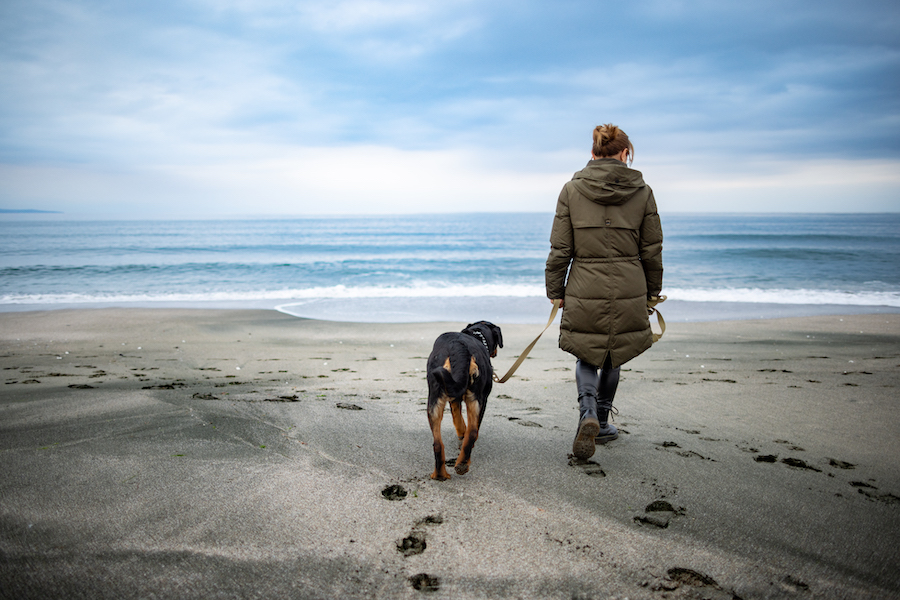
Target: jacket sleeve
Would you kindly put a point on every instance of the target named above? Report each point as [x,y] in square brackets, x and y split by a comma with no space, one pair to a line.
[561,249]
[651,248]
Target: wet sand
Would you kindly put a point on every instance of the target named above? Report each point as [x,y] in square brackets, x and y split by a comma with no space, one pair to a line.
[174,453]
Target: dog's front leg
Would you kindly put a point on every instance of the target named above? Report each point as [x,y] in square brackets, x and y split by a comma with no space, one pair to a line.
[435,416]
[473,408]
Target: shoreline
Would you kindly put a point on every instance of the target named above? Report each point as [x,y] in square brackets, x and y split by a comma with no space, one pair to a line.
[513,310]
[195,453]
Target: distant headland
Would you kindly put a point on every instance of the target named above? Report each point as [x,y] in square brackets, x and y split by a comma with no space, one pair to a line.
[28,210]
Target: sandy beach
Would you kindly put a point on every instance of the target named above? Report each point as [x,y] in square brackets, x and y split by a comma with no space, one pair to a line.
[177,453]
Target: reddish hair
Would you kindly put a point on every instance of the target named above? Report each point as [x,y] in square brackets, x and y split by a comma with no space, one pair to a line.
[609,141]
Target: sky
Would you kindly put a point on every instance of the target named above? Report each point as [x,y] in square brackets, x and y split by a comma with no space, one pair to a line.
[269,107]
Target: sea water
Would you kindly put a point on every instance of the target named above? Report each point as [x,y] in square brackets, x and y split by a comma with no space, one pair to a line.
[431,267]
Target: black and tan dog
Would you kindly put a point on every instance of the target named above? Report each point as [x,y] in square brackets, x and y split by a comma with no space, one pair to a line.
[460,372]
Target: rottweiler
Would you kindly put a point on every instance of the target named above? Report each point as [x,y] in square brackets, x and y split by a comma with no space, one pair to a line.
[459,371]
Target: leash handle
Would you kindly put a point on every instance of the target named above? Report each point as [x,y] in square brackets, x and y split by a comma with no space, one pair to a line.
[651,308]
[525,352]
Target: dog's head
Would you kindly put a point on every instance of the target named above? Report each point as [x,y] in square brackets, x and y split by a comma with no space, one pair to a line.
[489,333]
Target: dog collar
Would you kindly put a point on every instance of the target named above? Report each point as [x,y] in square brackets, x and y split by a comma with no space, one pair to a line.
[480,336]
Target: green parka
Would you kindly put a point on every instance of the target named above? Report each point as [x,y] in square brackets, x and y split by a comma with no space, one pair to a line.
[607,228]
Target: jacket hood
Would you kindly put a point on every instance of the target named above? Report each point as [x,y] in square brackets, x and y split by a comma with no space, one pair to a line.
[608,181]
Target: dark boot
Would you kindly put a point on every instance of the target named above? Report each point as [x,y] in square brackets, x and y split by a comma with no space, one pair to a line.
[608,431]
[588,424]
[609,381]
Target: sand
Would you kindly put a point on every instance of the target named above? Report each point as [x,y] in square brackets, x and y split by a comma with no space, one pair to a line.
[174,453]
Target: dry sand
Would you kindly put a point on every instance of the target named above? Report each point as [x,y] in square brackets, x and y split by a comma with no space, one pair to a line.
[247,454]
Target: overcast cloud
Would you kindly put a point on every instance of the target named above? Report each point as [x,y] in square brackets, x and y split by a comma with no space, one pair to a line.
[275,107]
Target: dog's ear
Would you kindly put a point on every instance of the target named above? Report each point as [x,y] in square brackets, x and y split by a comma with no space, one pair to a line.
[497,335]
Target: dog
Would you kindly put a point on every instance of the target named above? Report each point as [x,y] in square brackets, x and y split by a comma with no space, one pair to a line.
[460,372]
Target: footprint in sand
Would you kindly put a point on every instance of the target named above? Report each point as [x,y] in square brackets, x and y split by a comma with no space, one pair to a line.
[789,461]
[394,492]
[415,543]
[676,577]
[696,584]
[523,422]
[790,445]
[658,513]
[792,585]
[766,458]
[588,467]
[424,582]
[348,406]
[870,491]
[691,577]
[667,446]
[799,464]
[412,544]
[291,398]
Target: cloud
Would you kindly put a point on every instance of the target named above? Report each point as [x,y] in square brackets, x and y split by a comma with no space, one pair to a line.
[370,31]
[355,16]
[765,185]
[214,100]
[279,180]
[292,180]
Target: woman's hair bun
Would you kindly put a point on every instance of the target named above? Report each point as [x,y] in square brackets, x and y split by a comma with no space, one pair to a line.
[609,140]
[606,134]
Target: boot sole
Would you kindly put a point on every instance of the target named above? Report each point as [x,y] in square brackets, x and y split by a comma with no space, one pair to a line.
[583,446]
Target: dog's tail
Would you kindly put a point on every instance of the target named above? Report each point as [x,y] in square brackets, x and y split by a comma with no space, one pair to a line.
[456,372]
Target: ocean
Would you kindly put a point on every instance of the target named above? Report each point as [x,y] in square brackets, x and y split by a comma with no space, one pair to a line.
[453,267]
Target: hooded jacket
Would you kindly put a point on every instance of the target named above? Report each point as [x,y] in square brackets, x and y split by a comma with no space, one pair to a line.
[607,238]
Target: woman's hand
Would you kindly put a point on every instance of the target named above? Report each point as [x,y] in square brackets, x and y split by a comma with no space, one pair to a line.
[561,301]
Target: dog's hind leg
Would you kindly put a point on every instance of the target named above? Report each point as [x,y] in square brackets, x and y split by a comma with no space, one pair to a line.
[458,422]
[473,408]
[435,416]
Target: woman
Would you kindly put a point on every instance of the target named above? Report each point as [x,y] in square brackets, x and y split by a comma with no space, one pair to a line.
[607,237]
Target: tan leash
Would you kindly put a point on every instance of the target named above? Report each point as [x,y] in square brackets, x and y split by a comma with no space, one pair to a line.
[525,352]
[651,308]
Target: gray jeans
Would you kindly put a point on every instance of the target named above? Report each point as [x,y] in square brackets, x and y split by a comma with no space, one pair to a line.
[601,383]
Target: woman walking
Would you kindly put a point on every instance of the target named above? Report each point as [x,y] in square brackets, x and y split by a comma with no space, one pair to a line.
[605,265]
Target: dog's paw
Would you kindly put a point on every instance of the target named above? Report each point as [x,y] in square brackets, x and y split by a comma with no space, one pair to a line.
[440,476]
[461,468]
